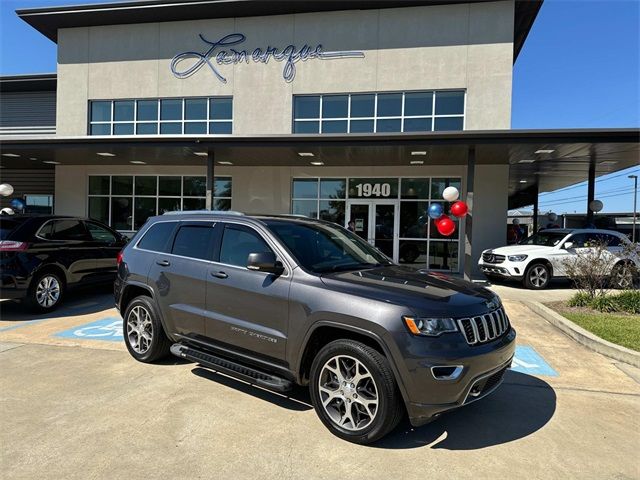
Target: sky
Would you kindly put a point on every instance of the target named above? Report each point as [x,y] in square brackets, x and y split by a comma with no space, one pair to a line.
[579,68]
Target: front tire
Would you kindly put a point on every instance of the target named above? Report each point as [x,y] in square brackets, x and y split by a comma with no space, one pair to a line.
[537,276]
[46,292]
[354,392]
[143,332]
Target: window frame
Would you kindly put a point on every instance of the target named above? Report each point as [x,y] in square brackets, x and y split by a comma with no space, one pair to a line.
[157,196]
[398,198]
[349,118]
[158,122]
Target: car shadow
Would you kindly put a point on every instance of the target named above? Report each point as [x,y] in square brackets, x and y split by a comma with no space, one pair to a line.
[78,301]
[297,399]
[522,405]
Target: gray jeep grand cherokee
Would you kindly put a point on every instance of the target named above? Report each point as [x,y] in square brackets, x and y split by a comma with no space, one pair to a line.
[283,300]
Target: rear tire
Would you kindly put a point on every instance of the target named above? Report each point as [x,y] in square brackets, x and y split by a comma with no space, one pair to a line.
[354,392]
[143,332]
[537,276]
[46,292]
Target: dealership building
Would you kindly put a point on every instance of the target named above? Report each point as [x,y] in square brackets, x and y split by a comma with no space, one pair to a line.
[345,111]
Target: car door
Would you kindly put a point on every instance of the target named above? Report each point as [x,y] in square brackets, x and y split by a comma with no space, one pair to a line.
[71,246]
[245,308]
[562,255]
[179,277]
[110,243]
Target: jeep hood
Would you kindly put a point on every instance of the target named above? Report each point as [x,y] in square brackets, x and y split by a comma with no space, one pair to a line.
[425,293]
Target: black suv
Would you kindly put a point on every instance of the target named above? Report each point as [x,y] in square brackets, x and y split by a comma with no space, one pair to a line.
[42,255]
[283,300]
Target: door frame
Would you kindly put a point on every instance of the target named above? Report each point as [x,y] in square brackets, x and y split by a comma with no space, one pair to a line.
[371,203]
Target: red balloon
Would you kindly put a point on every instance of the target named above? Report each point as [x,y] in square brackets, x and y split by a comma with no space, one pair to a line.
[459,209]
[445,226]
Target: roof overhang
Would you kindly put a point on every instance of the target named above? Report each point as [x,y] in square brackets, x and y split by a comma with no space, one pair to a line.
[48,20]
[539,160]
[28,83]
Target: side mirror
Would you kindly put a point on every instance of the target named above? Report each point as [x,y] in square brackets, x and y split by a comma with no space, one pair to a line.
[264,262]
[568,245]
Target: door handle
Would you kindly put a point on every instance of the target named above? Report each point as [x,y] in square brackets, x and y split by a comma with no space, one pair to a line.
[163,263]
[219,274]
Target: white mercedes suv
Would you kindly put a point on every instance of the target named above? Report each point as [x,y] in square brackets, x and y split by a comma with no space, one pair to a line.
[542,256]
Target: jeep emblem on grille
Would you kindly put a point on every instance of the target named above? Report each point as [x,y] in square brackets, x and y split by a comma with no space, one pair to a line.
[492,304]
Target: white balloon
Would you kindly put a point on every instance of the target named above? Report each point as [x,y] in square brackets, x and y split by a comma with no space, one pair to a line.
[552,217]
[516,221]
[596,205]
[450,194]
[7,211]
[6,189]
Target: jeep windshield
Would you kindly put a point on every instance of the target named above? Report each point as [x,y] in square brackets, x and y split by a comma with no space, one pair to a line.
[323,248]
[544,239]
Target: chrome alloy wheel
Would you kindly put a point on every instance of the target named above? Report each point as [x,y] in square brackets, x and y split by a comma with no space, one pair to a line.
[623,278]
[538,276]
[348,393]
[48,291]
[139,329]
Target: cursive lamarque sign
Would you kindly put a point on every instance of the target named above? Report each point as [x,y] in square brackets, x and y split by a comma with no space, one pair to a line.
[218,53]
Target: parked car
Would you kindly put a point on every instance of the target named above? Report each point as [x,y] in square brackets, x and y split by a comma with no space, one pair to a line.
[542,256]
[283,300]
[41,256]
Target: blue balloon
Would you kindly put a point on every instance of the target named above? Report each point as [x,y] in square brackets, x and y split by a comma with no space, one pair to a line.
[17,204]
[436,210]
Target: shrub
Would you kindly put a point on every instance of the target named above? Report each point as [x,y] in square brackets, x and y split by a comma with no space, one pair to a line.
[627,301]
[589,268]
[603,303]
[579,299]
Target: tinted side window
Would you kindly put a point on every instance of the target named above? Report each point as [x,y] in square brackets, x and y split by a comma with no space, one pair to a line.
[69,230]
[194,241]
[612,240]
[99,233]
[238,243]
[157,237]
[46,231]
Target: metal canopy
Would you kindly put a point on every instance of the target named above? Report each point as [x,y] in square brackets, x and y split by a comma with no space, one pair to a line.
[566,162]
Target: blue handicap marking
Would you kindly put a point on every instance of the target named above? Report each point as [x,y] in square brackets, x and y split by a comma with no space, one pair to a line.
[527,360]
[107,329]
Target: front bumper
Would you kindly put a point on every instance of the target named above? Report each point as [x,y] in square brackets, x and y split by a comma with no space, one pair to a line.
[505,269]
[483,368]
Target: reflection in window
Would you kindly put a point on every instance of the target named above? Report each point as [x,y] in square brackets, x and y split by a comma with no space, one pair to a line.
[126,201]
[166,116]
[379,112]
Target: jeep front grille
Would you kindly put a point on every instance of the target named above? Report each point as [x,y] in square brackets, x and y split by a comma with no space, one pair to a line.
[484,328]
[492,258]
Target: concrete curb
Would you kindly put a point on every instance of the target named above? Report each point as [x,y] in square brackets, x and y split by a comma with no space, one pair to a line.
[584,337]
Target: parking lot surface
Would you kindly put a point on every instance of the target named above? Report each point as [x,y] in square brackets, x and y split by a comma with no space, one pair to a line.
[74,404]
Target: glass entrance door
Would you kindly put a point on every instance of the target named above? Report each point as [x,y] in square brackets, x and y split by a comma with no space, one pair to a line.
[375,221]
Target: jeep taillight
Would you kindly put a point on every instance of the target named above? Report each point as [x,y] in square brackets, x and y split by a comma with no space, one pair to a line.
[12,246]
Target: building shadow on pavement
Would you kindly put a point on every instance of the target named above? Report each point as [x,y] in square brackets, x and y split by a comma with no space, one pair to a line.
[78,301]
[522,405]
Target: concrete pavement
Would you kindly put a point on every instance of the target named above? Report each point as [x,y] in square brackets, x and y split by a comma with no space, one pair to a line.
[73,408]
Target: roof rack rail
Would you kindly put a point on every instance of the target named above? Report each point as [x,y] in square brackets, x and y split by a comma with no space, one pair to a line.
[204,212]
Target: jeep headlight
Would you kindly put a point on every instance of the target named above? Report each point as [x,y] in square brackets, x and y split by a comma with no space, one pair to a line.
[430,327]
[517,258]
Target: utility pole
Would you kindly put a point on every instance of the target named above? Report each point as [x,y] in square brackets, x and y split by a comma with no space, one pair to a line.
[635,198]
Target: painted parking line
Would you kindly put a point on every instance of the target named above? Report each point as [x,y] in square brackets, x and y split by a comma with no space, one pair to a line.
[107,329]
[23,324]
[528,361]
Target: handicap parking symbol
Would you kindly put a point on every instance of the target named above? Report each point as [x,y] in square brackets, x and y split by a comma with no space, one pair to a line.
[107,329]
[527,360]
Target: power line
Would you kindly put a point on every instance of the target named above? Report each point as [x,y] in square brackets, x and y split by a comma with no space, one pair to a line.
[576,201]
[600,194]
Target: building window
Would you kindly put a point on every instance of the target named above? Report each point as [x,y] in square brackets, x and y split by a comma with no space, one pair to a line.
[419,243]
[125,202]
[165,116]
[38,204]
[379,112]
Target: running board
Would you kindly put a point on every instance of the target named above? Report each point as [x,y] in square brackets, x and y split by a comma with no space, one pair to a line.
[229,367]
